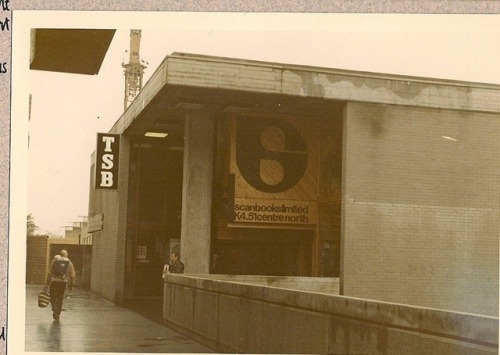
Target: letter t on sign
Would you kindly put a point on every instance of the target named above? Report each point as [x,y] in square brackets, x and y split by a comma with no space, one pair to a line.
[106,163]
[108,141]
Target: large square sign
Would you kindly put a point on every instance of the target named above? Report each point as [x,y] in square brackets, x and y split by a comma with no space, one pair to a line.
[107,159]
[274,163]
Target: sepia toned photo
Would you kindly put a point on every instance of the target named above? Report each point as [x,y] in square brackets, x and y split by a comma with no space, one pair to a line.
[255,183]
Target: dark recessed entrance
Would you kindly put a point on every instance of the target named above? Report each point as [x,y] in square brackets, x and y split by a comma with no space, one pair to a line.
[154,215]
[272,252]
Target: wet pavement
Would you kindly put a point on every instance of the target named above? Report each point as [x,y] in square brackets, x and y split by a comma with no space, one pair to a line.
[89,323]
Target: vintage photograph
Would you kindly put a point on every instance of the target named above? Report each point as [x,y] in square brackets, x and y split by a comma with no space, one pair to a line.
[255,183]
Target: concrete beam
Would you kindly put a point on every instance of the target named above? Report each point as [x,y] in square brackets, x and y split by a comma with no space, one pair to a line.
[186,74]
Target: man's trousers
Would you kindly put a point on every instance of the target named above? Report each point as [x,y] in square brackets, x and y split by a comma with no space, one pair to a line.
[57,289]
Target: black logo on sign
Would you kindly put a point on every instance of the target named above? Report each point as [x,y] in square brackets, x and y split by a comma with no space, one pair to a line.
[271,154]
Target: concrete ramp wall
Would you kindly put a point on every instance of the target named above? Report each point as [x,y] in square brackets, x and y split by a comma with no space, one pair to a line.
[248,317]
[328,285]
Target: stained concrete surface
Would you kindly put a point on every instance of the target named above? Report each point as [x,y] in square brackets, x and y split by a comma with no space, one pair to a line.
[90,323]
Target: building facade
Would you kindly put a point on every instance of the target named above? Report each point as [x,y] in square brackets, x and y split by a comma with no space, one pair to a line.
[390,183]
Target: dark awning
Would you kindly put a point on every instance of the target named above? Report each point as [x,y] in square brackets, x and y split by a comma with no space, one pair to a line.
[79,51]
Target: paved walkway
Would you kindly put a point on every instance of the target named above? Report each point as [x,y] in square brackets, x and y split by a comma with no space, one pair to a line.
[90,323]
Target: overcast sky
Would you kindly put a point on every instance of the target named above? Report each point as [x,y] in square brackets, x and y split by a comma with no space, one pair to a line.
[69,109]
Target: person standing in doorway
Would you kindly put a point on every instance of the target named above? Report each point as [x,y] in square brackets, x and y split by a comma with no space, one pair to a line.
[175,266]
[215,265]
[61,275]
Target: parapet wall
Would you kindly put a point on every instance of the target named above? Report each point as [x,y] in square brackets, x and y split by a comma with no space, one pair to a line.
[233,316]
[328,285]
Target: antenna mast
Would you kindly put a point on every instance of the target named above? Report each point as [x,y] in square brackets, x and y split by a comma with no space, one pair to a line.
[134,70]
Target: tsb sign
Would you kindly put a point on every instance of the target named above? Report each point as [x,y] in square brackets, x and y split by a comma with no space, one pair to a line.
[271,154]
[107,157]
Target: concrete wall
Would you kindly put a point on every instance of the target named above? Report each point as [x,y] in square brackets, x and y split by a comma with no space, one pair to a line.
[237,317]
[328,285]
[420,210]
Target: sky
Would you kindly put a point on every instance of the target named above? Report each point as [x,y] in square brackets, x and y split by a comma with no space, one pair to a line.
[68,110]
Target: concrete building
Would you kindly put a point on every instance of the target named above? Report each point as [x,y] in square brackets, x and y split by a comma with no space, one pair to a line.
[78,230]
[389,183]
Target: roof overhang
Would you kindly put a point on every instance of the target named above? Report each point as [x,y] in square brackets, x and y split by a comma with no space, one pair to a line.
[77,51]
[186,82]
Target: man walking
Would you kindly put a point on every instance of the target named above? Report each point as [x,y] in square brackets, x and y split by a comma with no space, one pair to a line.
[61,274]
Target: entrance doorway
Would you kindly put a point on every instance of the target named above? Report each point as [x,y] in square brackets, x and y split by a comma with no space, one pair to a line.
[154,215]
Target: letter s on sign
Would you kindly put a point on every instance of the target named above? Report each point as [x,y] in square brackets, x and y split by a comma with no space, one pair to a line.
[107,161]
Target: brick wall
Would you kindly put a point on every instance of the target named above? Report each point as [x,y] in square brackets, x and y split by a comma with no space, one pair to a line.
[421,207]
[36,259]
[103,277]
[108,256]
[103,280]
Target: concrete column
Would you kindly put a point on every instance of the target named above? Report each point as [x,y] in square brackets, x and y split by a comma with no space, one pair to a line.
[197,192]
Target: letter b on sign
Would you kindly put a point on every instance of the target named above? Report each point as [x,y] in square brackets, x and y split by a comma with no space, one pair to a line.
[106,165]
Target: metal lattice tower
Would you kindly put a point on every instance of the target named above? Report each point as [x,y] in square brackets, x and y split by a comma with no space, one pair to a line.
[134,70]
